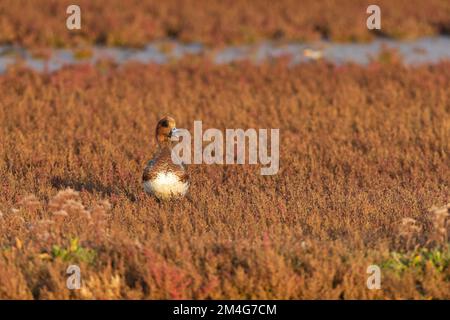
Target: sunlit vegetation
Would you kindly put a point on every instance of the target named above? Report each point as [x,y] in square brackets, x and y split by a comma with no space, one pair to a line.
[364,156]
[136,22]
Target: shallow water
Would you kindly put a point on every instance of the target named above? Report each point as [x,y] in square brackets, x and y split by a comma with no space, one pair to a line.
[424,50]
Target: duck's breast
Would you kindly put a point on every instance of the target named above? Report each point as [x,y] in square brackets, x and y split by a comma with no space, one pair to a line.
[166,184]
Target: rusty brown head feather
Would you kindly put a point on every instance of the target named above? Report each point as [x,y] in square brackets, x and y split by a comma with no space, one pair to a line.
[164,130]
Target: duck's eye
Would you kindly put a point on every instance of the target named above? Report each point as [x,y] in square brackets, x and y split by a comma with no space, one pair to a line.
[165,123]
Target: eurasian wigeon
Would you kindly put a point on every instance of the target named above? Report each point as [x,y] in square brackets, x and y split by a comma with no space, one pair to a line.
[162,177]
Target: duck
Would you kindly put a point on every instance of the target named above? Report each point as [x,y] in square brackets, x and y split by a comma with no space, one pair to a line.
[162,177]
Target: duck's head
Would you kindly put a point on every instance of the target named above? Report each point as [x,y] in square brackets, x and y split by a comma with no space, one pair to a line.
[166,130]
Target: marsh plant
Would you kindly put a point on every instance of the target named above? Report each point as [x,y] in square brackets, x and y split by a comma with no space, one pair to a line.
[432,232]
[142,21]
[361,149]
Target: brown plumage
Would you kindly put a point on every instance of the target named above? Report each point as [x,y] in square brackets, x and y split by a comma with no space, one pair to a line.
[162,177]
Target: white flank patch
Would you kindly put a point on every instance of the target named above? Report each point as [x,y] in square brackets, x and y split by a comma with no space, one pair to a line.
[166,185]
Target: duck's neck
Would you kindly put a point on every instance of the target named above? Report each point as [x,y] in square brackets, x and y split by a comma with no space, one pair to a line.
[164,146]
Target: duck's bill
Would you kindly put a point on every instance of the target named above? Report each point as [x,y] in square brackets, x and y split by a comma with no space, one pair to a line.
[175,134]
